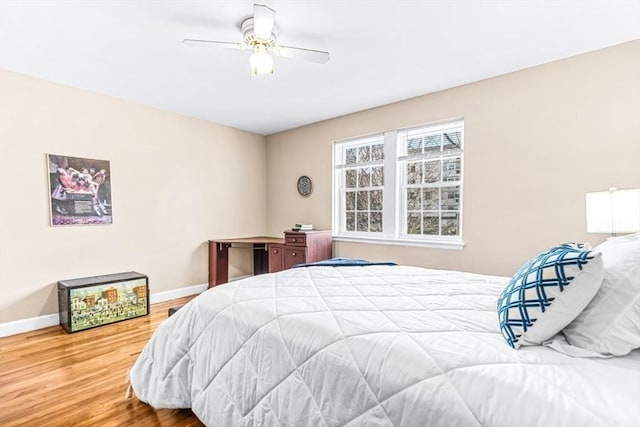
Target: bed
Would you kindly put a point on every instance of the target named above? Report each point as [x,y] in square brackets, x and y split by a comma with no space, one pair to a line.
[371,346]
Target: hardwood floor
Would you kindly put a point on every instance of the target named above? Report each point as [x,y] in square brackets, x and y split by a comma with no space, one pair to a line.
[51,378]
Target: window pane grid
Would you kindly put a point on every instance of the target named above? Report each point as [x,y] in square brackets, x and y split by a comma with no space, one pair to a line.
[422,142]
[363,177]
[432,211]
[432,182]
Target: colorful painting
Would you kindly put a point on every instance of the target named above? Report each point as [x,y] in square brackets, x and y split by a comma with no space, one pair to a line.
[98,305]
[80,190]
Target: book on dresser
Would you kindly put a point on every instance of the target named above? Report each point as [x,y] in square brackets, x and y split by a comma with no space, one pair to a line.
[302,227]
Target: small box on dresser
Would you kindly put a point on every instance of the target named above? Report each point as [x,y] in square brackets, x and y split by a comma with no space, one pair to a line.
[100,300]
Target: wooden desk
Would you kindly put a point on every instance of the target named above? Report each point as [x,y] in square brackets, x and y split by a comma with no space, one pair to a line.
[219,256]
[270,254]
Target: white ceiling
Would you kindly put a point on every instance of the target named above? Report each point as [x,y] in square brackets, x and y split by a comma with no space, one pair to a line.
[381,51]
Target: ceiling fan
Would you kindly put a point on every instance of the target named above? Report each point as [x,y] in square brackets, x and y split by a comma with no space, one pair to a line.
[259,34]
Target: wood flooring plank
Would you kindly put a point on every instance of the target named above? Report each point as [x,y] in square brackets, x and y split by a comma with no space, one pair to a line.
[51,378]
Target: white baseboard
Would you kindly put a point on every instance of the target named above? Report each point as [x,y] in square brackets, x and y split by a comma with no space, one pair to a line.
[177,293]
[27,325]
[39,322]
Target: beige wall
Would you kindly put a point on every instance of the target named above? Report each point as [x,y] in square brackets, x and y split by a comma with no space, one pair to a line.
[536,141]
[176,182]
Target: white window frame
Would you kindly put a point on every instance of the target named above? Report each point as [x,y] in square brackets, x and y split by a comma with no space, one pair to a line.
[340,165]
[394,199]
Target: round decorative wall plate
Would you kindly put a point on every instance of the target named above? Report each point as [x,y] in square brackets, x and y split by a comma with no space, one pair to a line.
[304,185]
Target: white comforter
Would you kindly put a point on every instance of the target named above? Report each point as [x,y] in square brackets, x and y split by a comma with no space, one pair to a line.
[371,346]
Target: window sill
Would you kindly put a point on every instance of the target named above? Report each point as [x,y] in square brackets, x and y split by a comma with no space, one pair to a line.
[450,245]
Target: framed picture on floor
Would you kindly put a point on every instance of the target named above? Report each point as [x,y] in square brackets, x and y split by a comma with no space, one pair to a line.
[79,190]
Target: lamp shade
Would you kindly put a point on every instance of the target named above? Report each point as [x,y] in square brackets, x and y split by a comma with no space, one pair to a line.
[261,63]
[613,211]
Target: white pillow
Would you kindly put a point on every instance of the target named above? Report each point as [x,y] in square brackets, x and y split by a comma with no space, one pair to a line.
[610,325]
[547,293]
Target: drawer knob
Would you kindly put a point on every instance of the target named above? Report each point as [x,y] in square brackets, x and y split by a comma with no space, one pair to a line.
[293,254]
[293,240]
[275,251]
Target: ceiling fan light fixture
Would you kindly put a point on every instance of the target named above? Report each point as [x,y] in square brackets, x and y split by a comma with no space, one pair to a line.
[259,33]
[261,63]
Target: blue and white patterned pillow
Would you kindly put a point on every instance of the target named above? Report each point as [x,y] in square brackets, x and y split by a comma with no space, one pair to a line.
[548,292]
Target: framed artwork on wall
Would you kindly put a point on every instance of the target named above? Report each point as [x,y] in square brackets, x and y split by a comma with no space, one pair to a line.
[79,190]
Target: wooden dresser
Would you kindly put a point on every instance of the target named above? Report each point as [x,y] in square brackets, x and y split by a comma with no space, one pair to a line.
[299,247]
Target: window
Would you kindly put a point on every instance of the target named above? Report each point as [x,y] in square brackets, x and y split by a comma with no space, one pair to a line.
[363,185]
[401,186]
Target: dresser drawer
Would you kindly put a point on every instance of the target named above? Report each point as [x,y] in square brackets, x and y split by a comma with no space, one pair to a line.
[293,256]
[295,239]
[276,257]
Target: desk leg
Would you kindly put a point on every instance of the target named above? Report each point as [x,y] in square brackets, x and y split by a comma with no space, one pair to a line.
[218,263]
[260,259]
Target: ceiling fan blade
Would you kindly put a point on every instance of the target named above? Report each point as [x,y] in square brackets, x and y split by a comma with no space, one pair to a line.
[318,56]
[264,19]
[211,43]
